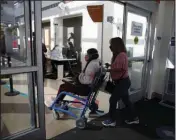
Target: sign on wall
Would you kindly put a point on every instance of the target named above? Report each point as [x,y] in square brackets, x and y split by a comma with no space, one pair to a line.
[136,28]
[96,12]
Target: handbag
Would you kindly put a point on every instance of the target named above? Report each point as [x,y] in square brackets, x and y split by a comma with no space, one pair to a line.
[110,85]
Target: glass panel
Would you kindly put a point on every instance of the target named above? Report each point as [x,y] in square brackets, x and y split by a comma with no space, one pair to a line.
[17,113]
[136,35]
[135,74]
[14,34]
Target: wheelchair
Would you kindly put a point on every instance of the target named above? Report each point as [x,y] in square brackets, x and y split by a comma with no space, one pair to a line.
[88,103]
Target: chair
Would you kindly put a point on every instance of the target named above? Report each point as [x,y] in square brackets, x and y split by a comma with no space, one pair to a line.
[81,121]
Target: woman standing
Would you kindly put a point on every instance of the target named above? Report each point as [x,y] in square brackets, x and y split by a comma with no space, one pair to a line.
[119,75]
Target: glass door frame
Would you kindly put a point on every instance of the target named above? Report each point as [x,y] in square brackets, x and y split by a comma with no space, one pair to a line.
[33,132]
[138,11]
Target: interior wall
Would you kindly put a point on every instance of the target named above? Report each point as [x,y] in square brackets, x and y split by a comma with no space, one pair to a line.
[163,30]
[92,32]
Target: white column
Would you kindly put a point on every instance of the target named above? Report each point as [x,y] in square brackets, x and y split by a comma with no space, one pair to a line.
[52,33]
[108,31]
[163,30]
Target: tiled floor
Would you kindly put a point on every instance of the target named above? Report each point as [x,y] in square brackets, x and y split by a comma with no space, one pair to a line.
[15,110]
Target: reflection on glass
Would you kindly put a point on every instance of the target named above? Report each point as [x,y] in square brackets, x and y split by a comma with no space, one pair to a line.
[136,50]
[135,74]
[13,29]
[16,110]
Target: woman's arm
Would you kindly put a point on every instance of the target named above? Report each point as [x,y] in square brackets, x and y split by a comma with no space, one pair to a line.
[88,76]
[86,79]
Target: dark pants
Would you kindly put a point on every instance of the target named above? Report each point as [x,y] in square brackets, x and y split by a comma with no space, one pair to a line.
[78,89]
[121,92]
[54,67]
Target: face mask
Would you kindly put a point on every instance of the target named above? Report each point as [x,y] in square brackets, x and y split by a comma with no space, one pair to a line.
[86,57]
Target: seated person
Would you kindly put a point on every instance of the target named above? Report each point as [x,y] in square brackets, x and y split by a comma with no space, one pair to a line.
[85,78]
[56,53]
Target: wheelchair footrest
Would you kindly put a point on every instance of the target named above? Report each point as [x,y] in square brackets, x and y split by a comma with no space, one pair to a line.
[100,111]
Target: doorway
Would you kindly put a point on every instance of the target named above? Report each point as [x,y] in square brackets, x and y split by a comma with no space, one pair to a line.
[22,98]
[136,38]
[72,32]
[46,35]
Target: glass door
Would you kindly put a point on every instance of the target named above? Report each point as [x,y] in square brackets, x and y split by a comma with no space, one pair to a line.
[136,40]
[22,92]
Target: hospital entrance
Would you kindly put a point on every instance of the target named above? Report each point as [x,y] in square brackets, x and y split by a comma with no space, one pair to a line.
[68,29]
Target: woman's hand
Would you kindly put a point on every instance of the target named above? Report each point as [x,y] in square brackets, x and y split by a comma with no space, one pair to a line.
[107,65]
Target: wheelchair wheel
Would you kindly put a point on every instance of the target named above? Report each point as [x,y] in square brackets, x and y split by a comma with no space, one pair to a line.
[81,123]
[93,107]
[56,115]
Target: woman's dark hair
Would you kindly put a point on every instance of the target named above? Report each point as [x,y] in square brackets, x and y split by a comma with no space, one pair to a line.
[93,54]
[117,46]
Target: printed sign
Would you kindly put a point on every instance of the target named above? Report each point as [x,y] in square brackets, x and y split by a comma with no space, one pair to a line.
[136,28]
[96,12]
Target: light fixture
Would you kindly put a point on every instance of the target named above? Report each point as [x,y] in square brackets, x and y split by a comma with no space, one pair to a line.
[61,5]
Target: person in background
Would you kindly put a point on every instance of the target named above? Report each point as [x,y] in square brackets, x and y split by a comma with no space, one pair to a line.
[2,50]
[55,54]
[44,50]
[2,43]
[85,78]
[119,75]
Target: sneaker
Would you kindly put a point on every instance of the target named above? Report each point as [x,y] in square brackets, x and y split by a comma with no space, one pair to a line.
[64,106]
[109,123]
[134,121]
[48,103]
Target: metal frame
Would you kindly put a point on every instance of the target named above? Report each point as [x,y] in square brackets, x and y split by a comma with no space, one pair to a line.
[33,132]
[31,96]
[148,69]
[147,14]
[17,70]
[40,90]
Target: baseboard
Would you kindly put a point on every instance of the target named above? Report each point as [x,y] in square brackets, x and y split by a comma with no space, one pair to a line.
[156,95]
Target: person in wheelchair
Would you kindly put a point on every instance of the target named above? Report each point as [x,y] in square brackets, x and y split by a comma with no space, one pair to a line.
[84,79]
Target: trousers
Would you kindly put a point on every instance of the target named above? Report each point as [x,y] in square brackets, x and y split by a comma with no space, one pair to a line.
[120,92]
[79,89]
